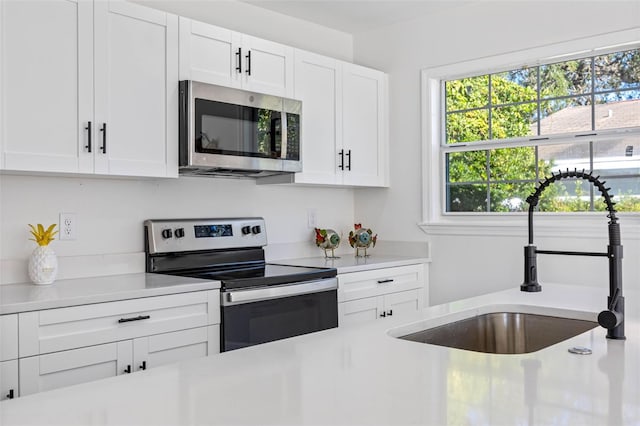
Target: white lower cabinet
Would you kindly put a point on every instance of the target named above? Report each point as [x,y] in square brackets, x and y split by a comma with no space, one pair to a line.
[371,308]
[9,379]
[59,369]
[154,351]
[65,368]
[381,293]
[71,345]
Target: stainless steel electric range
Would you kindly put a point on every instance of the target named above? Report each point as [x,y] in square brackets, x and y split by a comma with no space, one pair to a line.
[260,302]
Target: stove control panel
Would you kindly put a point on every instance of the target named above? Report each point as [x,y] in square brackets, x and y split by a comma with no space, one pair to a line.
[177,235]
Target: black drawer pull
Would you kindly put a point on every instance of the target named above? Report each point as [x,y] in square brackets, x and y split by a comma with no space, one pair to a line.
[138,318]
[10,394]
[388,280]
[390,313]
[128,369]
[383,314]
[143,366]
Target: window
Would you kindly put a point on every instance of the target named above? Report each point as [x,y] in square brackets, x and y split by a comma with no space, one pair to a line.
[503,132]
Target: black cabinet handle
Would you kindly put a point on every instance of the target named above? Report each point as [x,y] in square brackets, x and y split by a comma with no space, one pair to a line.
[388,280]
[143,366]
[88,145]
[138,318]
[103,148]
[390,313]
[239,60]
[349,163]
[341,153]
[249,63]
[383,314]
[128,369]
[10,394]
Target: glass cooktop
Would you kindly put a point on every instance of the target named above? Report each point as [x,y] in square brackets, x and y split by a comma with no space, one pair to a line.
[261,275]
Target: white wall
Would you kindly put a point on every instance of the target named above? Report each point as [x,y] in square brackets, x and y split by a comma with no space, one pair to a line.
[110,212]
[262,23]
[466,265]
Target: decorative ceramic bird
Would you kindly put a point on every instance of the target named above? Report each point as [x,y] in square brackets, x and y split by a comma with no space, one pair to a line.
[362,238]
[327,239]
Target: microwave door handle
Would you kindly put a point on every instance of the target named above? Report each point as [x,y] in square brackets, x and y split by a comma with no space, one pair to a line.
[283,135]
[273,132]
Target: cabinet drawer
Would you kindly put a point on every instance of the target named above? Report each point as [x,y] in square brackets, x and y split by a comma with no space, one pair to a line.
[67,328]
[358,285]
[8,337]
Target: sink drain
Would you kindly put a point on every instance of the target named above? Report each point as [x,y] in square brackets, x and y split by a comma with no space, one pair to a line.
[580,350]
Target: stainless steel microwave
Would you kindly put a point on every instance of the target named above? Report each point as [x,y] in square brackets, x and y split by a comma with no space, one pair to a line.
[232,132]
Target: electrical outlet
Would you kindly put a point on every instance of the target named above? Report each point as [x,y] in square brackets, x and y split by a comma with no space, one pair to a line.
[312,218]
[68,226]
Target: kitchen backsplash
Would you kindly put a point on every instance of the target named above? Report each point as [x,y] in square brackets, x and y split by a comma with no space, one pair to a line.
[110,212]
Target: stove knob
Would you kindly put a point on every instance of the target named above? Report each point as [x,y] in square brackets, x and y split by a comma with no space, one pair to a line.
[179,232]
[246,230]
[256,229]
[166,233]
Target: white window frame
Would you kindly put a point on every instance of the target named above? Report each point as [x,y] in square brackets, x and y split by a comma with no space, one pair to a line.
[434,218]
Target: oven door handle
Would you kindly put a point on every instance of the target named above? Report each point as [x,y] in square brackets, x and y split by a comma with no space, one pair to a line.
[277,292]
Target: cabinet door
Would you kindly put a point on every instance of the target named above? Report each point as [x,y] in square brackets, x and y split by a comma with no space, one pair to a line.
[9,379]
[136,86]
[8,337]
[267,67]
[59,369]
[364,126]
[401,302]
[360,310]
[209,54]
[46,85]
[167,348]
[318,83]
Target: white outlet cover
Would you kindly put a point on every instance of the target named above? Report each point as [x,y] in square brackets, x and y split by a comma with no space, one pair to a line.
[68,226]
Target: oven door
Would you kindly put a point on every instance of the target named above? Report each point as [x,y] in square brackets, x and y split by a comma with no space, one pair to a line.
[254,316]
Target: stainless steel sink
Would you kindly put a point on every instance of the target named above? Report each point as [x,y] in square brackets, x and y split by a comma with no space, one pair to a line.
[503,332]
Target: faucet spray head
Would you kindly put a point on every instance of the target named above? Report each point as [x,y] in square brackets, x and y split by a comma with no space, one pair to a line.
[530,283]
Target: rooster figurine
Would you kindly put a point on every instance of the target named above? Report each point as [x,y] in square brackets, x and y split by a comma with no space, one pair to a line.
[328,239]
[362,238]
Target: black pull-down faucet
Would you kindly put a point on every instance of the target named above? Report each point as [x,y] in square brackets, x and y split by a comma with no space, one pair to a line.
[613,317]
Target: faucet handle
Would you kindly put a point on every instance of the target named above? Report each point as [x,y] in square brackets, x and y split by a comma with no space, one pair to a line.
[614,299]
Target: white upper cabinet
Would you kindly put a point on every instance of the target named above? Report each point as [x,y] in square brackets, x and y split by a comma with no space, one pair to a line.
[268,67]
[364,118]
[344,122]
[136,90]
[46,85]
[216,55]
[318,84]
[88,87]
[207,53]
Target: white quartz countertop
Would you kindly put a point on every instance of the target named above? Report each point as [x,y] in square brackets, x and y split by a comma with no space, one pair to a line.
[81,291]
[361,375]
[350,263]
